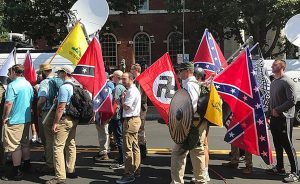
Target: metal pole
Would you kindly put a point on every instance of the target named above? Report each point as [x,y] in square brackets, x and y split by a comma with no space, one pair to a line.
[183,46]
[229,60]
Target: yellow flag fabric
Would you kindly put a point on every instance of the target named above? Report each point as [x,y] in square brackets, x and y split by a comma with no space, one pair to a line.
[74,45]
[214,108]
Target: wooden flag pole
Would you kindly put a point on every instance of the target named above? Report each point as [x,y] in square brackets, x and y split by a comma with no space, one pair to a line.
[77,22]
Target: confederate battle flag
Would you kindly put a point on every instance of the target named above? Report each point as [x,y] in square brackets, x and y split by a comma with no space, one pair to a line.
[90,73]
[209,56]
[238,87]
[159,82]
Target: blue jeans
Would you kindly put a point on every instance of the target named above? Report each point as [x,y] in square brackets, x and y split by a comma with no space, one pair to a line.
[117,129]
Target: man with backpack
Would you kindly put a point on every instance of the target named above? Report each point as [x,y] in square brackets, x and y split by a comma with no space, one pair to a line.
[48,90]
[64,128]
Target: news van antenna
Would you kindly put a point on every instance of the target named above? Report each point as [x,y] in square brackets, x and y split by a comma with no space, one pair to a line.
[292,31]
[92,15]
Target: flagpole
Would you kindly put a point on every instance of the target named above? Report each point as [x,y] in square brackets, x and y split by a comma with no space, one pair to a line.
[229,60]
[63,42]
[15,55]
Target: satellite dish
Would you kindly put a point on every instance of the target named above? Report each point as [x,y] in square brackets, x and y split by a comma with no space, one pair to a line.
[91,13]
[292,30]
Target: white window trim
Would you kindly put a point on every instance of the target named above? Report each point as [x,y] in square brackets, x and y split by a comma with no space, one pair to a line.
[116,43]
[150,49]
[168,40]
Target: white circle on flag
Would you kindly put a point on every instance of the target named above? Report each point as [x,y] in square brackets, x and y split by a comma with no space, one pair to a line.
[164,87]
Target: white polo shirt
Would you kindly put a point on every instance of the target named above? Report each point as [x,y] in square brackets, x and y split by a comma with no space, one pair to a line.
[133,101]
[193,88]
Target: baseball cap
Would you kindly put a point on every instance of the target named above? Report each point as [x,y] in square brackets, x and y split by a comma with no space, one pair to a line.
[66,68]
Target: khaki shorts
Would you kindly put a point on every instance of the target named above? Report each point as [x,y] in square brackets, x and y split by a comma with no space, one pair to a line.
[16,137]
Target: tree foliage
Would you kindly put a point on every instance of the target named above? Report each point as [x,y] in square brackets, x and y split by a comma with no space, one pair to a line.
[45,19]
[257,18]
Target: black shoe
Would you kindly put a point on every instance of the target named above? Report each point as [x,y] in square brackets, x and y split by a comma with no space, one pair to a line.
[276,171]
[72,175]
[143,150]
[126,179]
[13,175]
[100,158]
[26,166]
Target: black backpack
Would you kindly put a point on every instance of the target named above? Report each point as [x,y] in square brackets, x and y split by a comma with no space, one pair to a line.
[81,105]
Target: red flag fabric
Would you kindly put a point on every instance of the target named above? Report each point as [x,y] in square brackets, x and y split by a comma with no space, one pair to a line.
[90,73]
[29,71]
[238,87]
[209,55]
[159,82]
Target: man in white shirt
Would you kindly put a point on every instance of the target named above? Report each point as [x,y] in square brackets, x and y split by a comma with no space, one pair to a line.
[131,102]
[178,158]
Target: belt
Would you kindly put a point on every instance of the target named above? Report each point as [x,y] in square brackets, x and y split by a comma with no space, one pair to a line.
[131,117]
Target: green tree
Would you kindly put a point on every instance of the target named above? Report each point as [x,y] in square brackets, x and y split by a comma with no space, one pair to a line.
[226,19]
[45,19]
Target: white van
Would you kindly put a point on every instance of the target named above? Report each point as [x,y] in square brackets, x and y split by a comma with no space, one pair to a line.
[37,59]
[293,71]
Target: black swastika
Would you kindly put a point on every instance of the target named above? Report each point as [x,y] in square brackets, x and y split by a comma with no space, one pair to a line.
[168,87]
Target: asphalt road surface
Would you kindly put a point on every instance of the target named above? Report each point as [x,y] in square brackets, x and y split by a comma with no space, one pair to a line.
[156,167]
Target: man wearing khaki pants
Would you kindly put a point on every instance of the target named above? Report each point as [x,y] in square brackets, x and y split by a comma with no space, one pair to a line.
[131,101]
[64,128]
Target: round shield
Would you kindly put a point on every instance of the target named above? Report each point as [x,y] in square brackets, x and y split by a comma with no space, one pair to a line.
[180,116]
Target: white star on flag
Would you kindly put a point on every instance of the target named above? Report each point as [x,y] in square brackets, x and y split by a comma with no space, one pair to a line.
[264,153]
[232,91]
[245,98]
[231,134]
[106,90]
[262,138]
[253,72]
[207,66]
[257,106]
[260,122]
[256,89]
[217,86]
[97,100]
[212,48]
[84,70]
[216,58]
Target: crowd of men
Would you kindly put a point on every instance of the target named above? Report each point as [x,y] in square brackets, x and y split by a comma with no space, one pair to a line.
[57,129]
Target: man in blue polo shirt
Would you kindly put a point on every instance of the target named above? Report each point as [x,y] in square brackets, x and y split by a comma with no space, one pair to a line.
[16,120]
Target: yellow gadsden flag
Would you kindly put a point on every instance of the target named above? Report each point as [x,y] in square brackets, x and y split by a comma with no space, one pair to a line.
[214,107]
[74,45]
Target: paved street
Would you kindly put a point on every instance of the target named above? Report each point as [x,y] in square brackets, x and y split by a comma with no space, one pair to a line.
[156,168]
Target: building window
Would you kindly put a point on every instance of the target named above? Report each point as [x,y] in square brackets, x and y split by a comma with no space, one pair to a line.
[174,44]
[109,49]
[144,5]
[142,48]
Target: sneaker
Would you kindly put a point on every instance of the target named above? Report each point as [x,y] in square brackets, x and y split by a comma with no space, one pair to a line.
[291,178]
[207,178]
[231,165]
[275,171]
[247,170]
[99,158]
[126,179]
[45,169]
[72,175]
[56,181]
[117,166]
[13,175]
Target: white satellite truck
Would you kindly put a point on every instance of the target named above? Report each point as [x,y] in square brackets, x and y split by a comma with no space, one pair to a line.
[293,71]
[37,59]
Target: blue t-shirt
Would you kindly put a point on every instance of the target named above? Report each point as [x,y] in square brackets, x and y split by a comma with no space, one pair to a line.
[65,92]
[20,93]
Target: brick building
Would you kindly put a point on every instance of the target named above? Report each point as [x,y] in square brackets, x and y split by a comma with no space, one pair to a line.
[146,35]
